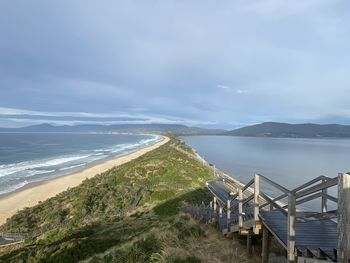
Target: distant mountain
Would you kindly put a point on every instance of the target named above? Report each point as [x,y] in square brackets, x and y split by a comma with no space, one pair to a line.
[307,130]
[123,128]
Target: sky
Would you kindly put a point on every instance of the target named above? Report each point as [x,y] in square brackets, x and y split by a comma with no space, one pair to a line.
[222,64]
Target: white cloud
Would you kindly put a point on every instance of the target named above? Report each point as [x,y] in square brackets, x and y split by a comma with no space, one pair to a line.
[16,117]
[233,90]
[14,111]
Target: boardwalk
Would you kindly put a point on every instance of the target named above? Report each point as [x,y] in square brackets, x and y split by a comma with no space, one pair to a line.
[307,236]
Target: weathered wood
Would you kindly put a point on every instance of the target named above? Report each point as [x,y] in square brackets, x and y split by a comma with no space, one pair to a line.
[312,234]
[265,245]
[318,187]
[344,218]
[249,242]
[315,231]
[291,227]
[220,211]
[228,210]
[214,202]
[240,208]
[276,185]
[256,203]
[324,199]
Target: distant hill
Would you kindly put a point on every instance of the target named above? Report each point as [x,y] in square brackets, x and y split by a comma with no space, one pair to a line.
[307,130]
[123,128]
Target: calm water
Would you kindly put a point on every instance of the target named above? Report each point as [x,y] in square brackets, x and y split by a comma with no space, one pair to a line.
[31,157]
[290,162]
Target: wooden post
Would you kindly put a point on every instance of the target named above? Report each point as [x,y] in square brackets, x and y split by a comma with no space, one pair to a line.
[343,252]
[228,210]
[265,245]
[228,214]
[240,208]
[220,211]
[324,206]
[214,204]
[211,211]
[291,227]
[249,242]
[256,203]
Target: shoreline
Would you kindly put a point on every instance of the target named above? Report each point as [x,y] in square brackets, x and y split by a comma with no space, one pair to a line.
[34,193]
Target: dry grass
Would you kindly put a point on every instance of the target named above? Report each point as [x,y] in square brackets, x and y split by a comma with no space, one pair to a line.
[207,245]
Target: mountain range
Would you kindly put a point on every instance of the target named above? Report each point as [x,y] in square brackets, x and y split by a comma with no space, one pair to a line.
[266,129]
[286,130]
[175,129]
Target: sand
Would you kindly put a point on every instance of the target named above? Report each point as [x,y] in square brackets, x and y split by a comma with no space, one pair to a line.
[30,196]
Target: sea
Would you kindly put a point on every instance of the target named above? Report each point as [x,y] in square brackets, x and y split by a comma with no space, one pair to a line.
[287,161]
[27,158]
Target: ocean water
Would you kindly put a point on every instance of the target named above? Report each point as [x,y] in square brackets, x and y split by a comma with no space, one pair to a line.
[289,162]
[33,157]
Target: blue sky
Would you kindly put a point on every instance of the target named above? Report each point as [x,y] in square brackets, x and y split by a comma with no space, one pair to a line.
[206,63]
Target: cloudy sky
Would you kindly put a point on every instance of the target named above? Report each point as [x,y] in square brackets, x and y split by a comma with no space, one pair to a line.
[206,63]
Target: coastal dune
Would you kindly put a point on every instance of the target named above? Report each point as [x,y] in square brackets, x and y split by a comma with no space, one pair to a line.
[30,196]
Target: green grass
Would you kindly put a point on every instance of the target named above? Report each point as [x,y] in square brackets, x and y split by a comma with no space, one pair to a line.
[154,232]
[105,193]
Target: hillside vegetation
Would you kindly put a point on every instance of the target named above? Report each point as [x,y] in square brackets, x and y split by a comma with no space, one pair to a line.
[286,130]
[156,230]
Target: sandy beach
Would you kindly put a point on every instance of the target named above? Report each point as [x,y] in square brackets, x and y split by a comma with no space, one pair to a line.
[30,196]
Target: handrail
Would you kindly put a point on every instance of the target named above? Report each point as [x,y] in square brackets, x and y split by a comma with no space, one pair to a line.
[332,198]
[247,185]
[274,200]
[211,189]
[278,186]
[306,199]
[319,216]
[233,197]
[311,182]
[248,199]
[270,201]
[318,187]
[313,189]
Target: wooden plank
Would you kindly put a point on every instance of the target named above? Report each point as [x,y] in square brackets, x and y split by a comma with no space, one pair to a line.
[344,218]
[332,198]
[291,228]
[273,203]
[318,187]
[228,210]
[247,185]
[249,242]
[276,185]
[215,203]
[256,202]
[324,199]
[311,182]
[311,234]
[240,208]
[265,245]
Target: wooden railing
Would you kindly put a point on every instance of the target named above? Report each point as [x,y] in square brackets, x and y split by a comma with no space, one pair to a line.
[286,203]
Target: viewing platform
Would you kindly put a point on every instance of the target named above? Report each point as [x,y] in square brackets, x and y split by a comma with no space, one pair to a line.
[305,234]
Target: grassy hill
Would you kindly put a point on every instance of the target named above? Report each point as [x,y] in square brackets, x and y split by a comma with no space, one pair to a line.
[306,130]
[155,230]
